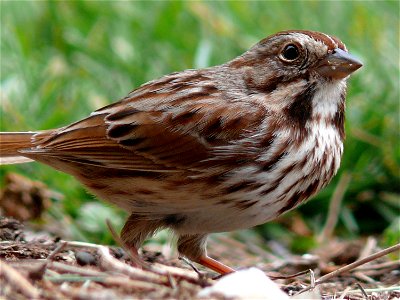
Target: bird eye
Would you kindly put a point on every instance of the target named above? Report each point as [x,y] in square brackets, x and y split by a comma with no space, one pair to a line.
[290,52]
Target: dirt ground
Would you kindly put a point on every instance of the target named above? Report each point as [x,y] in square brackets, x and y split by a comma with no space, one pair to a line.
[54,269]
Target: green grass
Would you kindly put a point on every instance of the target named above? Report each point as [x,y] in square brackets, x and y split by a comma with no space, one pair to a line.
[62,60]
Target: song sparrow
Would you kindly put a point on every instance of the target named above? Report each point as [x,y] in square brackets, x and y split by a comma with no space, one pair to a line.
[210,150]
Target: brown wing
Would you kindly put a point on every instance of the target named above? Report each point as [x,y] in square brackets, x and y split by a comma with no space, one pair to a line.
[86,142]
[170,124]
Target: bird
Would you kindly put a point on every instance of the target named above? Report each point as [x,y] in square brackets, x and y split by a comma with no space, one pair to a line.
[210,150]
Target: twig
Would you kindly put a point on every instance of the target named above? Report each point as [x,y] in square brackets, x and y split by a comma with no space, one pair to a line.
[358,263]
[363,277]
[375,273]
[275,277]
[312,278]
[334,207]
[377,290]
[344,293]
[180,273]
[81,244]
[83,274]
[121,283]
[171,281]
[18,281]
[77,278]
[368,248]
[37,273]
[362,290]
[188,262]
[108,262]
[56,251]
[64,268]
[133,284]
[108,280]
[388,264]
[353,266]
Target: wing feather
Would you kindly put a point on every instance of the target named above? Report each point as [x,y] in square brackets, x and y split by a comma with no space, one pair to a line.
[181,131]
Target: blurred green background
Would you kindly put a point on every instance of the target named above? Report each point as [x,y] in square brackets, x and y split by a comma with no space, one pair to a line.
[60,60]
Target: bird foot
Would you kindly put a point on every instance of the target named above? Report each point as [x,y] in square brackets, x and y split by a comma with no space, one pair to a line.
[136,261]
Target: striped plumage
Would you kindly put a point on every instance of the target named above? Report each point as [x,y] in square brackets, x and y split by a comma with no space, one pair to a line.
[217,149]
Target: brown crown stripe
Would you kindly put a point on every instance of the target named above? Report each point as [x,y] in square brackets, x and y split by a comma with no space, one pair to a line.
[339,43]
[331,42]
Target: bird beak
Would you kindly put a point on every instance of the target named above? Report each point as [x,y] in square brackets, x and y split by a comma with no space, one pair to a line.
[338,64]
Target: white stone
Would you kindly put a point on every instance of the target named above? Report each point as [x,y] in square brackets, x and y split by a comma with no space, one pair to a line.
[245,284]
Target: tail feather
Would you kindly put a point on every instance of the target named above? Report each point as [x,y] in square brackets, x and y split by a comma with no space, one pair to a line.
[11,143]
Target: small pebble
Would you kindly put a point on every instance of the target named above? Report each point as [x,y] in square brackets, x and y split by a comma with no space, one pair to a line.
[84,258]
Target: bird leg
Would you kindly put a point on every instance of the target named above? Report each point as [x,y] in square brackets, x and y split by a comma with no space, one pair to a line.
[194,248]
[215,265]
[133,234]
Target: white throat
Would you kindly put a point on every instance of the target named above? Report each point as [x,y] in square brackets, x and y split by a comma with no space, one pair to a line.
[327,99]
